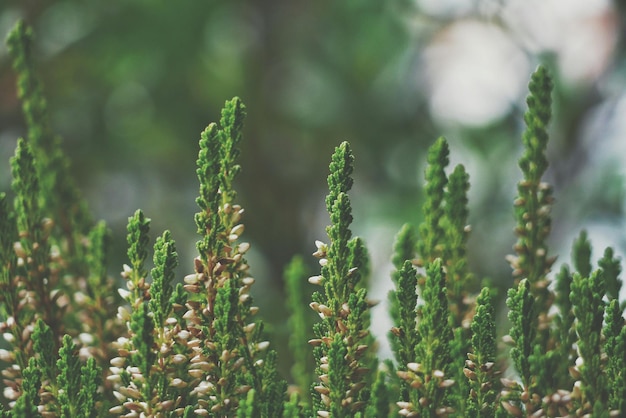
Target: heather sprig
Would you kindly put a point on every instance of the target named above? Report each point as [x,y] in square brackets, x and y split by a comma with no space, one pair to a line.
[208,171]
[136,273]
[458,278]
[56,383]
[521,304]
[342,338]
[165,263]
[456,229]
[33,247]
[15,310]
[44,346]
[611,268]
[536,353]
[227,347]
[587,299]
[27,404]
[64,252]
[78,384]
[340,177]
[581,254]
[534,200]
[150,370]
[404,248]
[403,336]
[429,375]
[90,384]
[615,349]
[59,197]
[481,369]
[233,115]
[432,234]
[216,170]
[565,331]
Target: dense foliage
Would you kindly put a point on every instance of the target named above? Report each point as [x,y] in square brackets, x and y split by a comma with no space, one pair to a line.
[161,347]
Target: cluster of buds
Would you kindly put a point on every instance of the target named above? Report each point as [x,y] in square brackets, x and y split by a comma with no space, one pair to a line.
[320,254]
[224,340]
[128,380]
[482,378]
[560,403]
[12,374]
[213,270]
[26,298]
[518,401]
[353,382]
[417,379]
[532,260]
[137,289]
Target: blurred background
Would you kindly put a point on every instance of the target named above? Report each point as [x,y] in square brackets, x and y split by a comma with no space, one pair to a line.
[131,84]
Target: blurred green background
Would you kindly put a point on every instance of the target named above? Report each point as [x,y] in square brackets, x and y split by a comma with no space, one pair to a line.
[131,84]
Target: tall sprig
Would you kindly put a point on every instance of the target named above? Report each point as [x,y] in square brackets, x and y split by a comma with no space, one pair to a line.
[531,264]
[430,244]
[342,338]
[219,309]
[28,281]
[56,229]
[534,201]
[59,195]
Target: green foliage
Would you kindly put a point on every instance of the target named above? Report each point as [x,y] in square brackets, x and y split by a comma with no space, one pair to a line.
[430,245]
[403,337]
[59,195]
[615,349]
[454,224]
[194,347]
[69,380]
[137,239]
[587,295]
[522,307]
[433,352]
[26,404]
[533,204]
[163,274]
[611,269]
[342,338]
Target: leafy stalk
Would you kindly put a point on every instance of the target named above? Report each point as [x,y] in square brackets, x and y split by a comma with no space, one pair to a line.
[219,309]
[611,269]
[615,349]
[429,375]
[481,368]
[342,338]
[59,197]
[521,305]
[534,200]
[587,295]
[403,336]
[430,245]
